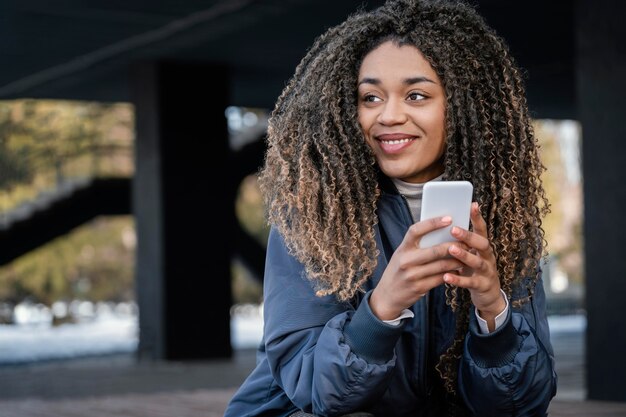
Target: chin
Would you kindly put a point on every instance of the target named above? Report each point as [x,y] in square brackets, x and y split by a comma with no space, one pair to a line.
[395,172]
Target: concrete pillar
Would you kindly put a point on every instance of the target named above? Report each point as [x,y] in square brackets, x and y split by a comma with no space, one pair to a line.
[183,202]
[601,88]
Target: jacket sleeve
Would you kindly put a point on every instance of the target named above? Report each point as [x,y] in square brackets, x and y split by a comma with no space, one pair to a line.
[510,371]
[326,356]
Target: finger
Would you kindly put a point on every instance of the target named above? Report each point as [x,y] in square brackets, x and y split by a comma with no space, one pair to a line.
[428,283]
[439,267]
[459,244]
[460,281]
[419,229]
[473,240]
[467,257]
[478,222]
[425,255]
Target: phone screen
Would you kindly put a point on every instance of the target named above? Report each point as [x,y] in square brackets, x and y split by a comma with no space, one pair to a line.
[446,198]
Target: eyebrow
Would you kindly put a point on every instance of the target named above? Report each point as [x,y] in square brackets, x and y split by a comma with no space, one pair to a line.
[406,81]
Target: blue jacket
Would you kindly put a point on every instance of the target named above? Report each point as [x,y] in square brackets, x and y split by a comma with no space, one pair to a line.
[330,358]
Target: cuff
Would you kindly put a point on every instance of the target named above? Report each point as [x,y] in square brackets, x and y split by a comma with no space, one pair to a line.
[494,349]
[369,337]
[500,318]
[406,314]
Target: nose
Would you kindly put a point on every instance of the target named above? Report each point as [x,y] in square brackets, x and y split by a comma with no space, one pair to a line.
[392,113]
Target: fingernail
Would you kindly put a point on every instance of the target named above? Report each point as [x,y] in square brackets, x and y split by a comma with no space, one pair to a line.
[455,250]
[456,231]
[446,219]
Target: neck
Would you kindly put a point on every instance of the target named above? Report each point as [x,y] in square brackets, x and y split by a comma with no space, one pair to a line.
[412,192]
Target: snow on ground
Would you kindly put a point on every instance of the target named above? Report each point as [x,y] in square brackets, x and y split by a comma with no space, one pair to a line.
[36,342]
[108,333]
[567,323]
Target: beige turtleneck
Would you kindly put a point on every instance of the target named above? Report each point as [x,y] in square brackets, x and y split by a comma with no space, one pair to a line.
[413,194]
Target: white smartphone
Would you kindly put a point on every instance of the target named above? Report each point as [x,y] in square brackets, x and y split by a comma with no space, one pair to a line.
[446,198]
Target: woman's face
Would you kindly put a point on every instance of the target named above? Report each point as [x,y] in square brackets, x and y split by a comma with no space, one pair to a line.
[401,111]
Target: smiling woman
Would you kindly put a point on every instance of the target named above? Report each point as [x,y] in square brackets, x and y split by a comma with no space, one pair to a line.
[402,112]
[358,317]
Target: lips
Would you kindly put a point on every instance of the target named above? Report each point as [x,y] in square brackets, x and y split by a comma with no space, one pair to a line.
[395,142]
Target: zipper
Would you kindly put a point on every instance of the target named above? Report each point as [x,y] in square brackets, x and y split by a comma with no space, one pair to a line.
[425,352]
[407,212]
[425,310]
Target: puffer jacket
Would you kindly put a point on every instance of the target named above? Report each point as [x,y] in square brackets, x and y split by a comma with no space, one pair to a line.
[330,358]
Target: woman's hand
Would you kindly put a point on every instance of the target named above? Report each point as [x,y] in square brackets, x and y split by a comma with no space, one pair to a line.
[413,271]
[479,274]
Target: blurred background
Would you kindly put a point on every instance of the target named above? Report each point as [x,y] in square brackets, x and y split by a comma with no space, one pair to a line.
[132,231]
[84,280]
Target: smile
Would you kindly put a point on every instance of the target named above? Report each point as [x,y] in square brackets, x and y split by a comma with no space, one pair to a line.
[394,143]
[397,141]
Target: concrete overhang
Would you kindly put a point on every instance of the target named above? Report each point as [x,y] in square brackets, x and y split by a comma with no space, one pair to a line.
[82,50]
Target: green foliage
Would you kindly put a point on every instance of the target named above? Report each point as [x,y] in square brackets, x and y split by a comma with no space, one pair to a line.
[250,210]
[563,225]
[44,143]
[246,288]
[13,168]
[95,262]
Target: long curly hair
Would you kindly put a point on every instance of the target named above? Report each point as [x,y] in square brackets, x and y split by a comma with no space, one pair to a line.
[320,179]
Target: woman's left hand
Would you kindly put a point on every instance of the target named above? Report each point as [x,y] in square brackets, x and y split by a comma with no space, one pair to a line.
[480,274]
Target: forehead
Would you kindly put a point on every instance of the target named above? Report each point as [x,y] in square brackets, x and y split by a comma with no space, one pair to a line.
[389,60]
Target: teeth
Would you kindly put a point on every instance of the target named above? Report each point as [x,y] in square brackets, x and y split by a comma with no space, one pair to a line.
[396,142]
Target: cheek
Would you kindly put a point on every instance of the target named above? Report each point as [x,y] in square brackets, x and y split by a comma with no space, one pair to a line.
[438,124]
[362,121]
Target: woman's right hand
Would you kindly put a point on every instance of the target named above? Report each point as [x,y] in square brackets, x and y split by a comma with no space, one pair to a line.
[413,271]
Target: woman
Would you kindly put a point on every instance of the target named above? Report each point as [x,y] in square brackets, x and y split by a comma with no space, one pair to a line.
[358,317]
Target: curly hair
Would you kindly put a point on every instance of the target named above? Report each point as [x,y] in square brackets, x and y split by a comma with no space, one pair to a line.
[320,179]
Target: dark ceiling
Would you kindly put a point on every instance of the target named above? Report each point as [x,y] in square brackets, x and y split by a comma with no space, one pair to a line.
[82,49]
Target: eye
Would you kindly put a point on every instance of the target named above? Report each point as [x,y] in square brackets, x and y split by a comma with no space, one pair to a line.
[371,98]
[414,96]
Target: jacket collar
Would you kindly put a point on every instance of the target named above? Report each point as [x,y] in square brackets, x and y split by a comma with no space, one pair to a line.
[386,185]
